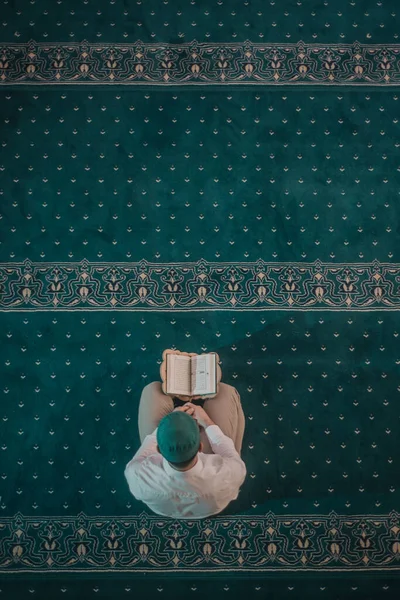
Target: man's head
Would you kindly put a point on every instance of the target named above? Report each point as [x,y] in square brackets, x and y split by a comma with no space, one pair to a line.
[178,439]
[186,464]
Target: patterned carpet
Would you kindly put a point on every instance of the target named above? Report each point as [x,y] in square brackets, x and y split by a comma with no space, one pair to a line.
[210,177]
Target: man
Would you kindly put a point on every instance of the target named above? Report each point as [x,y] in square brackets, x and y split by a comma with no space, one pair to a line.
[189,465]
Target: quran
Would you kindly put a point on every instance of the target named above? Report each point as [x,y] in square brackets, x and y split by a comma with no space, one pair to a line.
[191,375]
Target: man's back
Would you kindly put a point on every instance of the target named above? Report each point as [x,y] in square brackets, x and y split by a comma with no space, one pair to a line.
[204,490]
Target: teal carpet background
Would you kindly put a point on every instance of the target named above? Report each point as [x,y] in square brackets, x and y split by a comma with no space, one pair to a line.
[187,175]
[160,21]
[208,177]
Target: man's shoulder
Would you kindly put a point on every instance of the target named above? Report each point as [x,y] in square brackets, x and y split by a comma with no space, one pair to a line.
[144,478]
[150,463]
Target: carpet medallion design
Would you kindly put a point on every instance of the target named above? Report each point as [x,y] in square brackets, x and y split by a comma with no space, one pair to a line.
[202,177]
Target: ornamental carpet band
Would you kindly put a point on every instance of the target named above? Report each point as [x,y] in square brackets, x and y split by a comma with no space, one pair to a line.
[207,176]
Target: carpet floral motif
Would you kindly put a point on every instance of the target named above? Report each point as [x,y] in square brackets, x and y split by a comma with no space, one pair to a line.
[143,543]
[201,285]
[200,63]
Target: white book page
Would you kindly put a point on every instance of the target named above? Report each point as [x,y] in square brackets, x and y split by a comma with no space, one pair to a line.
[203,374]
[178,374]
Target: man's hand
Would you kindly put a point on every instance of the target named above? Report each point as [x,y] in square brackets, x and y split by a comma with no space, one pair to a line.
[198,413]
[185,408]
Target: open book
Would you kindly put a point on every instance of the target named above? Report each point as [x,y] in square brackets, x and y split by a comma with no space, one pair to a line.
[191,375]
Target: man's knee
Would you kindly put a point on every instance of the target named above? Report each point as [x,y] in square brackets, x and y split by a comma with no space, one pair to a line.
[228,390]
[151,389]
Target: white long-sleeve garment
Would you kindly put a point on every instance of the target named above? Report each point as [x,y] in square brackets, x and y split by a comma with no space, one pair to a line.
[204,490]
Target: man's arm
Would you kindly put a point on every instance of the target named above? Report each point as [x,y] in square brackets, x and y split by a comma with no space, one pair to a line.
[234,468]
[208,422]
[148,448]
[136,481]
[222,444]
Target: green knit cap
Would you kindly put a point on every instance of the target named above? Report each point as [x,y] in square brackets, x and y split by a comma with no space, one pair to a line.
[178,437]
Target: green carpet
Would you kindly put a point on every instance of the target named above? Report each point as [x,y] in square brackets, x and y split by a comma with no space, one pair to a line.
[208,177]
